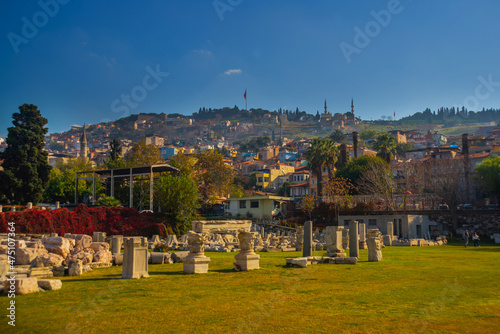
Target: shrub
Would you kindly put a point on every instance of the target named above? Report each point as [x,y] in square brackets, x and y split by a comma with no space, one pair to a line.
[85,220]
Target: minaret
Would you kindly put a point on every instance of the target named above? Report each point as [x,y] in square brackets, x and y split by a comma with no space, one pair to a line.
[84,148]
[352,107]
[325,107]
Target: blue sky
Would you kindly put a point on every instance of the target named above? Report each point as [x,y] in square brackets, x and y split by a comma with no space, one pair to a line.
[85,56]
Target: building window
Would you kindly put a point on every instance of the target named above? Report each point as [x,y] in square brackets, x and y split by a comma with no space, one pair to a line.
[243,204]
[372,222]
[254,204]
[346,222]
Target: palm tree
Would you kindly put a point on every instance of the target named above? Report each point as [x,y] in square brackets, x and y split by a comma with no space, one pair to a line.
[386,146]
[322,153]
[338,136]
[331,153]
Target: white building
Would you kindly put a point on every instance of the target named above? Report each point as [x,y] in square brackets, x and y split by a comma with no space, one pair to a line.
[404,226]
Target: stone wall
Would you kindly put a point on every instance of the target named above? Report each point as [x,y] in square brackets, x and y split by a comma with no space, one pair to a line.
[484,222]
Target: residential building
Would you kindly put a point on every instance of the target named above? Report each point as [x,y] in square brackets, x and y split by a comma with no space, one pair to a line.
[167,152]
[404,226]
[260,207]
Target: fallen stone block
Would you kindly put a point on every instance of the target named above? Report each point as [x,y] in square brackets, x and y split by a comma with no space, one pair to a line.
[98,246]
[35,244]
[118,259]
[81,240]
[300,262]
[20,244]
[58,245]
[75,267]
[50,284]
[103,256]
[85,255]
[60,271]
[157,258]
[97,265]
[25,256]
[44,272]
[37,263]
[21,286]
[179,256]
[51,259]
[86,268]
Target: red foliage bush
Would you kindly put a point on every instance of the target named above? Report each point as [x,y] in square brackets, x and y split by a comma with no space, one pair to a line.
[85,220]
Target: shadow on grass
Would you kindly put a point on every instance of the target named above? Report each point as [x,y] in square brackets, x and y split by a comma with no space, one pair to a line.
[227,270]
[112,277]
[478,249]
[168,273]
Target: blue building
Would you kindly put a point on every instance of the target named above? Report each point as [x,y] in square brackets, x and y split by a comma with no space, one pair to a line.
[167,152]
[286,155]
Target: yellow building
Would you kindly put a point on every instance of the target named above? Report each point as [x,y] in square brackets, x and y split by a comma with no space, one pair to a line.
[260,207]
[268,178]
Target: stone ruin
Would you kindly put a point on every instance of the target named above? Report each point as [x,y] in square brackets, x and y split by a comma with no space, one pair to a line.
[374,249]
[333,239]
[135,258]
[196,262]
[246,259]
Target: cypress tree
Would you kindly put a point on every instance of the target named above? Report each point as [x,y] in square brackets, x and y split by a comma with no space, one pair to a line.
[26,168]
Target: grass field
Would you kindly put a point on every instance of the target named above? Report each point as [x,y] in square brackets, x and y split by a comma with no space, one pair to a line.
[441,289]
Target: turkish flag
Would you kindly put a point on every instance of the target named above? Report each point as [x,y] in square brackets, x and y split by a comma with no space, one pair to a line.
[245,95]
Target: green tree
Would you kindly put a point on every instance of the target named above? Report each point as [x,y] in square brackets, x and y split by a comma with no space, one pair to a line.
[115,160]
[368,134]
[215,176]
[487,175]
[186,164]
[307,204]
[108,201]
[179,198]
[143,155]
[55,146]
[338,136]
[401,148]
[61,185]
[322,153]
[285,189]
[357,166]
[252,180]
[26,169]
[386,146]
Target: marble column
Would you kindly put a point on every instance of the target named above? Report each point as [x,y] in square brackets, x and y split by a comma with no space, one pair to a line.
[308,241]
[353,239]
[246,259]
[135,258]
[196,262]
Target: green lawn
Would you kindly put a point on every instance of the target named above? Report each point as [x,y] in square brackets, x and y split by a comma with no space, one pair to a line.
[441,289]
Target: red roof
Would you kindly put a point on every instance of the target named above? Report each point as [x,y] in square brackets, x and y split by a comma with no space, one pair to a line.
[299,185]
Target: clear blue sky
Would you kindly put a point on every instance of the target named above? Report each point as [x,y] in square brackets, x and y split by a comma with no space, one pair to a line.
[287,54]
